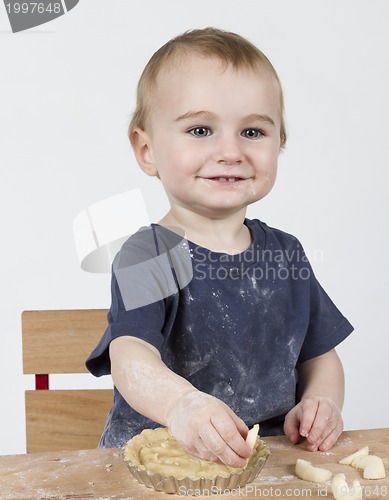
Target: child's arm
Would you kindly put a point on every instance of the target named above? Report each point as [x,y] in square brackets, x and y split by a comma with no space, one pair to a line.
[203,424]
[318,414]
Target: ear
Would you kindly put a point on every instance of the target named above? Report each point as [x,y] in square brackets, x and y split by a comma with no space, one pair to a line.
[141,145]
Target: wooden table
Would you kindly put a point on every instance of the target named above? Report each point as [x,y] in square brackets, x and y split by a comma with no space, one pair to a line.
[102,474]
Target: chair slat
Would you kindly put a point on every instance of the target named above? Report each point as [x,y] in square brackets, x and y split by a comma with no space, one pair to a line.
[60,341]
[66,419]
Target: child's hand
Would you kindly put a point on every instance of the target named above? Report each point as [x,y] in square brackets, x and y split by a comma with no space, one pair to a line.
[207,428]
[316,418]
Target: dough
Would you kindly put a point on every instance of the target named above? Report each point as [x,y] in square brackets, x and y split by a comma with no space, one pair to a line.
[157,451]
[361,452]
[341,490]
[305,470]
[372,466]
[252,435]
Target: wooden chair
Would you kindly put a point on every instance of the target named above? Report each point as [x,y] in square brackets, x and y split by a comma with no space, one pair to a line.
[59,342]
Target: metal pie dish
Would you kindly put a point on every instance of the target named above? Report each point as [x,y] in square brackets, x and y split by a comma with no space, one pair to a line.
[197,484]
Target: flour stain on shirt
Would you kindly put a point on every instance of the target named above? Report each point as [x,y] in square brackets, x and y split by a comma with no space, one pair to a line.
[266,292]
[195,365]
[250,401]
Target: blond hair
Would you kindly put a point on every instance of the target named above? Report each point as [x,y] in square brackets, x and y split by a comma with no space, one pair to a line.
[228,47]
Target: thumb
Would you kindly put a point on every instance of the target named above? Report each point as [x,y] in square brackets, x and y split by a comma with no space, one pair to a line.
[292,425]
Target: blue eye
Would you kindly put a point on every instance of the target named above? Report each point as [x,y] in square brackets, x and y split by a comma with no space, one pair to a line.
[251,133]
[200,131]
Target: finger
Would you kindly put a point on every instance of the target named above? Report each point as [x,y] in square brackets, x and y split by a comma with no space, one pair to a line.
[308,409]
[292,425]
[204,453]
[218,447]
[241,426]
[230,434]
[323,425]
[333,436]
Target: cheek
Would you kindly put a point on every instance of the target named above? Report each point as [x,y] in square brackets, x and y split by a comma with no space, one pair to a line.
[168,150]
[272,177]
[186,158]
[272,171]
[266,168]
[273,166]
[267,161]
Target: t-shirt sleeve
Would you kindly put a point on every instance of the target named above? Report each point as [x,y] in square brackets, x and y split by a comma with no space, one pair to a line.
[327,326]
[144,284]
[145,323]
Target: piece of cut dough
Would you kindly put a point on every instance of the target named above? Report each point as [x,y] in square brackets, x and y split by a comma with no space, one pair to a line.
[373,466]
[251,438]
[305,470]
[341,490]
[361,452]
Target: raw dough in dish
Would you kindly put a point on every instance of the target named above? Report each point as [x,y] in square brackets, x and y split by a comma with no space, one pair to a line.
[157,451]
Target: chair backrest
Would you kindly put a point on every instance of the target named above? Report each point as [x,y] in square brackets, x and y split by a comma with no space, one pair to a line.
[57,342]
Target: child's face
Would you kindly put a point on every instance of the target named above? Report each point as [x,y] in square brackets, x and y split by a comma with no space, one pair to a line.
[213,136]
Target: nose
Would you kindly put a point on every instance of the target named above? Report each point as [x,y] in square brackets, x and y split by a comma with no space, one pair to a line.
[228,151]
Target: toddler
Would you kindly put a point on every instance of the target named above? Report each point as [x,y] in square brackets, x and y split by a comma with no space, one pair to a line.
[217,321]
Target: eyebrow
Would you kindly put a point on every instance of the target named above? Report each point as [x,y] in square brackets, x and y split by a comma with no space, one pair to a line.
[260,118]
[190,115]
[194,114]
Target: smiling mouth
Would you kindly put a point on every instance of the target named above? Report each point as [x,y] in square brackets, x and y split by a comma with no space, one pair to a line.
[227,180]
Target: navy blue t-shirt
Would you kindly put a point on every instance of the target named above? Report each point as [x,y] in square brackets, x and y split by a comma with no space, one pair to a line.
[235,326]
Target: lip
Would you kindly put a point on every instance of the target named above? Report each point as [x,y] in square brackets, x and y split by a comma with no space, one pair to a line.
[225,180]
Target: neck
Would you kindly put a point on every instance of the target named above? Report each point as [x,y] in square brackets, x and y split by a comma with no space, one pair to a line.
[226,234]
